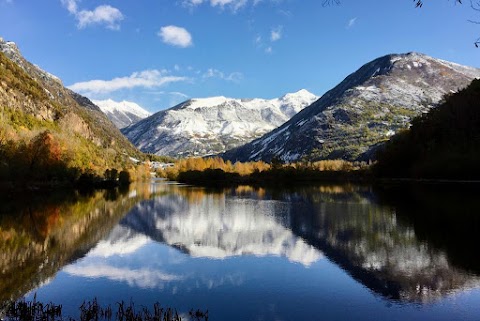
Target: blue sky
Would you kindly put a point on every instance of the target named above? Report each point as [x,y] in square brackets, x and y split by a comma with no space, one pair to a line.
[160,52]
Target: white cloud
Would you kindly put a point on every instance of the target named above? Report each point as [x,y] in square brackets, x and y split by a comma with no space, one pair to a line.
[146,79]
[351,22]
[234,5]
[215,73]
[105,14]
[101,15]
[108,248]
[144,278]
[192,2]
[266,45]
[167,93]
[276,34]
[178,94]
[175,36]
[70,5]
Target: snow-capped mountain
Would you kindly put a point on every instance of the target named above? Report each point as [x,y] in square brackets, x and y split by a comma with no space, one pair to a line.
[123,113]
[370,105]
[213,125]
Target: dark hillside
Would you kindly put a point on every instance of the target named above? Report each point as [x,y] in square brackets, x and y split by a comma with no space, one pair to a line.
[442,144]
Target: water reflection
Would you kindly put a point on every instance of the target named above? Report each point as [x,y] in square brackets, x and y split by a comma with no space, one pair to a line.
[409,244]
[39,234]
[354,227]
[220,226]
[378,245]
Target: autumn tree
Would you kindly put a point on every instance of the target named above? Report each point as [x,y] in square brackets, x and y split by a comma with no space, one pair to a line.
[43,156]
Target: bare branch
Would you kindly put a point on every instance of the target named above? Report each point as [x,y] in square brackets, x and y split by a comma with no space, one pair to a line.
[475,5]
[330,2]
[419,3]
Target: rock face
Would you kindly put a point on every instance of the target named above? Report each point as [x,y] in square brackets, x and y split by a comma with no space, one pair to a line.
[26,89]
[212,125]
[122,114]
[354,118]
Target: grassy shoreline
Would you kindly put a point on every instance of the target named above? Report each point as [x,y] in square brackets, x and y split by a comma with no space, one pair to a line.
[217,177]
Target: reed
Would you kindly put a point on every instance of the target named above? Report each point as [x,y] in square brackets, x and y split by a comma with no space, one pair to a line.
[92,311]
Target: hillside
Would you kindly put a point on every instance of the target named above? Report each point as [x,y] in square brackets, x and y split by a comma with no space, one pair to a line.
[444,143]
[353,119]
[213,125]
[39,115]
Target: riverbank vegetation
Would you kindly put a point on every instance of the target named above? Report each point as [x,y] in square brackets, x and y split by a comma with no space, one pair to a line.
[92,310]
[216,171]
[50,158]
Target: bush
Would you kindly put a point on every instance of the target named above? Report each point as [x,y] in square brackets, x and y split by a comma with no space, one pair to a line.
[124,178]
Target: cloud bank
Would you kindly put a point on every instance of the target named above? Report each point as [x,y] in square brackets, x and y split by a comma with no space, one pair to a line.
[146,79]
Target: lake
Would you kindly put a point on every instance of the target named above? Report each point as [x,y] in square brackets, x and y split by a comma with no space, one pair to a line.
[331,252]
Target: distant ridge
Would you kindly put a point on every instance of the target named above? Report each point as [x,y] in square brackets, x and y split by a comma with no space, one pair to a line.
[123,113]
[206,126]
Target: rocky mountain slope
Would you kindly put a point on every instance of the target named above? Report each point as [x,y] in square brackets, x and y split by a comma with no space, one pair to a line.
[212,125]
[32,100]
[370,105]
[123,113]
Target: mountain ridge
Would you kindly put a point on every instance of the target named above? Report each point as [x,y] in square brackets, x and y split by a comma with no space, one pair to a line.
[364,110]
[206,126]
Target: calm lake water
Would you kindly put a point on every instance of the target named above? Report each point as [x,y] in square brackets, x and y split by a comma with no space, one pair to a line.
[315,253]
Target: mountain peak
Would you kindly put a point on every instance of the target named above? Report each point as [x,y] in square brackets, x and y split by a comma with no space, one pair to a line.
[361,112]
[10,49]
[300,94]
[9,45]
[123,113]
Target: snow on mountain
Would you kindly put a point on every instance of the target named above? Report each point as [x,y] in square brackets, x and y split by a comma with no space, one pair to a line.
[10,49]
[205,126]
[123,113]
[370,105]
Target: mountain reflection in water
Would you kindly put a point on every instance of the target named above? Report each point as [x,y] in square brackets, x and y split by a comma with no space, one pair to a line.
[369,241]
[407,244]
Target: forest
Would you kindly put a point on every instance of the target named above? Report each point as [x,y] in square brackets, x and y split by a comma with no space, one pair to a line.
[441,144]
